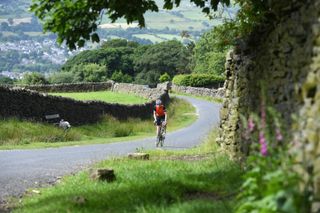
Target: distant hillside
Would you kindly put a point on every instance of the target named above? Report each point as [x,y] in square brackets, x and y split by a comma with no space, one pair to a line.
[14,9]
[25,48]
[187,17]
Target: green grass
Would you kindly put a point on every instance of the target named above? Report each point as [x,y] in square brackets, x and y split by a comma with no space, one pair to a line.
[39,135]
[106,96]
[196,180]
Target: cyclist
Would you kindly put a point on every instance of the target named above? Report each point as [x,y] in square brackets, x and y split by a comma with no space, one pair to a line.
[159,115]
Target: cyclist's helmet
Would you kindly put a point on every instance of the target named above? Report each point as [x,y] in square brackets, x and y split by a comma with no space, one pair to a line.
[158,102]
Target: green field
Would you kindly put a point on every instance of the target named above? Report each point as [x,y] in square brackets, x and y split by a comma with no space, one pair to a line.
[106,96]
[152,38]
[109,129]
[159,37]
[197,180]
[6,33]
[36,33]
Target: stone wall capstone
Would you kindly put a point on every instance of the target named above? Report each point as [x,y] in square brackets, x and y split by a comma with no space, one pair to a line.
[71,87]
[140,90]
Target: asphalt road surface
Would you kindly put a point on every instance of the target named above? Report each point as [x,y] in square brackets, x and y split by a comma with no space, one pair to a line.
[23,169]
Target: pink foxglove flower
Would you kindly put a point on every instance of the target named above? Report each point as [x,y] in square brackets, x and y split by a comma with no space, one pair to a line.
[263,144]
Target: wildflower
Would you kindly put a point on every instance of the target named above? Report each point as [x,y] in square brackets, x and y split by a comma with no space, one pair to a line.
[263,144]
[279,136]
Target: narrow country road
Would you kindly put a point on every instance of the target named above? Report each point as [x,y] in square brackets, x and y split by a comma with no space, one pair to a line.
[23,169]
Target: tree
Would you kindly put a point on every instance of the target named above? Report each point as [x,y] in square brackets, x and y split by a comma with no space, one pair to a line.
[76,21]
[89,73]
[166,57]
[150,78]
[113,59]
[115,43]
[94,73]
[118,76]
[209,52]
[34,79]
[184,34]
[61,77]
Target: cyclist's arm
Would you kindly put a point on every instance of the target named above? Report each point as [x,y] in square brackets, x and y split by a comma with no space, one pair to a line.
[154,115]
[165,116]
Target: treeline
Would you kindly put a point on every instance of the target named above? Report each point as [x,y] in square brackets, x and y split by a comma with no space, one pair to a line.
[127,61]
[195,64]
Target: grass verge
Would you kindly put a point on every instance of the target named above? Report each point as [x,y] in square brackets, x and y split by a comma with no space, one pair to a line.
[196,180]
[38,135]
[106,96]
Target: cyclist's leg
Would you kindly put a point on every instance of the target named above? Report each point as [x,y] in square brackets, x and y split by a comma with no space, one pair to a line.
[162,133]
[158,123]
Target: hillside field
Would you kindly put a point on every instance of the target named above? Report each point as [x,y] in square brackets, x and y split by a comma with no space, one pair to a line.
[106,96]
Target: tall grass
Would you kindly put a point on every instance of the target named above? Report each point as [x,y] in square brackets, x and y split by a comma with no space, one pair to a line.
[197,180]
[16,132]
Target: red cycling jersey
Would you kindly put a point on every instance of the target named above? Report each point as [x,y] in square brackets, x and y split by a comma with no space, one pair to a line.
[160,110]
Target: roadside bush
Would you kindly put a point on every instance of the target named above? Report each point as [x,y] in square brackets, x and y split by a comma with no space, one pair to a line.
[165,77]
[34,79]
[198,80]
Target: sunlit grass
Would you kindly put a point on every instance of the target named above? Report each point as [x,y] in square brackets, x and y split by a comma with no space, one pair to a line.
[106,96]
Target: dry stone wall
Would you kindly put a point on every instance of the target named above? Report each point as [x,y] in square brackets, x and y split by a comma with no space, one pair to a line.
[140,90]
[282,61]
[73,87]
[28,104]
[215,93]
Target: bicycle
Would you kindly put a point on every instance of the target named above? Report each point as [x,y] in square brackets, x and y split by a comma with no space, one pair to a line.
[161,136]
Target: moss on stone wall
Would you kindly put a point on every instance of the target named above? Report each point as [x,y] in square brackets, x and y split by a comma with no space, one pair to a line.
[278,61]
